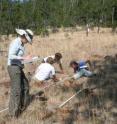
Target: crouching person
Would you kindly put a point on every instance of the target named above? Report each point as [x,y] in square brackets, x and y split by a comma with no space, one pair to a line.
[45,71]
[57,59]
[80,69]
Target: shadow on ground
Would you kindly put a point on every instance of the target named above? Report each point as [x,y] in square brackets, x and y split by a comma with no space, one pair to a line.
[99,102]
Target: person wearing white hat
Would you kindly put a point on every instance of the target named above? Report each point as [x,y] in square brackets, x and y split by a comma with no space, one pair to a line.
[19,94]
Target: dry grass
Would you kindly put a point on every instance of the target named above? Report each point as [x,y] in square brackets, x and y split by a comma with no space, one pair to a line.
[73,45]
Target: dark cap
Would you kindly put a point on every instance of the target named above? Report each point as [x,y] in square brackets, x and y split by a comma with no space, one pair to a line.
[58,55]
[73,62]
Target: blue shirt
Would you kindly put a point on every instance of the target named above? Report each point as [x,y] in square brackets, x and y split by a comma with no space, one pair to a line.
[82,64]
[16,50]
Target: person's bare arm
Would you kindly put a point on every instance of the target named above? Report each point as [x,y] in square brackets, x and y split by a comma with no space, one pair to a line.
[60,66]
[88,62]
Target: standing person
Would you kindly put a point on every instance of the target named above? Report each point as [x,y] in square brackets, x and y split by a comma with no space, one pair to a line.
[45,71]
[81,69]
[57,59]
[19,94]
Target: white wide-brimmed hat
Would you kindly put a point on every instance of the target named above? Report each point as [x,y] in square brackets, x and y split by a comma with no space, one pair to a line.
[28,34]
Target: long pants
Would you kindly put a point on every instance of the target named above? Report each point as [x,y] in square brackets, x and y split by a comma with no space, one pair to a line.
[82,72]
[19,94]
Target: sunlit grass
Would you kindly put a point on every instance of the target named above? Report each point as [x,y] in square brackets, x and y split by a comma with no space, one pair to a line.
[73,45]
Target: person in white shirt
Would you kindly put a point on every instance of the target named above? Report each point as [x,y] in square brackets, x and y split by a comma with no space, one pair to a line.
[57,59]
[45,71]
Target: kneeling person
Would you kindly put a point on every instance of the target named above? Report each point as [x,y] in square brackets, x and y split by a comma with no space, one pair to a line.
[81,69]
[45,71]
[57,59]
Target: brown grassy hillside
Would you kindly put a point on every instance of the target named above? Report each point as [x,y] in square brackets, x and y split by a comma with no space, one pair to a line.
[96,106]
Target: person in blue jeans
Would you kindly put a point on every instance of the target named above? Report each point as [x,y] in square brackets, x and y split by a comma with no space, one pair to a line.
[81,69]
